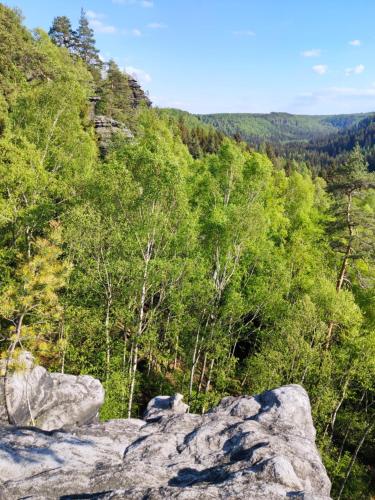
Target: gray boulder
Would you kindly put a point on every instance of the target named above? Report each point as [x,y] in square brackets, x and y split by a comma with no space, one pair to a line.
[164,405]
[48,400]
[260,447]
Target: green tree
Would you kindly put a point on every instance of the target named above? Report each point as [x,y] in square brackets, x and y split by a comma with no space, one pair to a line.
[30,306]
[353,228]
[61,33]
[85,43]
[116,95]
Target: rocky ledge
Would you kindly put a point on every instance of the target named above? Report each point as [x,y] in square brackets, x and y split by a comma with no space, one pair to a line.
[260,447]
[106,128]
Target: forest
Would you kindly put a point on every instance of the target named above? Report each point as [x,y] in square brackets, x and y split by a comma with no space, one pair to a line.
[281,127]
[321,141]
[182,259]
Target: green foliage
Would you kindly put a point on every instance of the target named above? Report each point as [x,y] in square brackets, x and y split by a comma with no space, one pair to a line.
[181,261]
[85,43]
[279,127]
[29,305]
[116,95]
[199,137]
[61,32]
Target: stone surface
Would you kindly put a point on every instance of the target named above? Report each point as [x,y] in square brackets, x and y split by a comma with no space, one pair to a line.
[139,95]
[260,447]
[106,128]
[48,400]
[165,405]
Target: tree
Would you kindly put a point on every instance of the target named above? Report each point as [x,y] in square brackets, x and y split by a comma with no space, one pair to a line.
[116,95]
[61,33]
[353,229]
[29,304]
[85,43]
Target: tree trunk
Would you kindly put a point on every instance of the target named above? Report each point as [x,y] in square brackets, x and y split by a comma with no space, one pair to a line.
[132,380]
[175,354]
[11,350]
[354,457]
[334,416]
[146,257]
[209,375]
[344,264]
[194,364]
[107,337]
[343,443]
[208,383]
[123,374]
[202,372]
[62,339]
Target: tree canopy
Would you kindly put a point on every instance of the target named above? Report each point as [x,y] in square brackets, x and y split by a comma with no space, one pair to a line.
[182,260]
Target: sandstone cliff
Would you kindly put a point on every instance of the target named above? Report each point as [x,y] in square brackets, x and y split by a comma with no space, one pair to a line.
[260,447]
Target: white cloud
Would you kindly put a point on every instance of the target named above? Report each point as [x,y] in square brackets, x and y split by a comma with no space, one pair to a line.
[142,3]
[357,70]
[320,69]
[337,94]
[165,102]
[139,74]
[355,43]
[94,15]
[311,53]
[335,100]
[157,26]
[97,22]
[98,25]
[244,33]
[351,92]
[132,32]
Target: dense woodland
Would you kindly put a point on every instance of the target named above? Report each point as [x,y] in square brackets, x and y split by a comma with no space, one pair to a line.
[327,152]
[256,128]
[322,141]
[163,268]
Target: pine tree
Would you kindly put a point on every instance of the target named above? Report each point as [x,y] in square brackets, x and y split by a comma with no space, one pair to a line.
[353,229]
[116,96]
[85,42]
[61,32]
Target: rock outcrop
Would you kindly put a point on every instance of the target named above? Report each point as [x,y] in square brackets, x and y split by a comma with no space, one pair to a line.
[47,400]
[260,447]
[165,405]
[139,95]
[106,128]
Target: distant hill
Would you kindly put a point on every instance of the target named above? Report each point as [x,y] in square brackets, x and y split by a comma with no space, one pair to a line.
[200,138]
[280,127]
[320,140]
[324,151]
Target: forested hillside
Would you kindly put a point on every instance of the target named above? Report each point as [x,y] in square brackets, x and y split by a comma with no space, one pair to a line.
[320,141]
[279,127]
[334,149]
[199,137]
[156,269]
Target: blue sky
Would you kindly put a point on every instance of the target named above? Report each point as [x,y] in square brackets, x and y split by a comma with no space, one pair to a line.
[206,56]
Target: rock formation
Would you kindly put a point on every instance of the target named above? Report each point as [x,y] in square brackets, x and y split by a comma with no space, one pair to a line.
[48,400]
[106,128]
[260,447]
[139,95]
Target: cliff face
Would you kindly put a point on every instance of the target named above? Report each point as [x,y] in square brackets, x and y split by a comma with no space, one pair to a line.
[106,127]
[139,95]
[260,447]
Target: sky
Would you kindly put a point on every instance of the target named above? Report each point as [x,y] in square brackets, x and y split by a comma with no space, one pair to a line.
[239,56]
